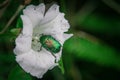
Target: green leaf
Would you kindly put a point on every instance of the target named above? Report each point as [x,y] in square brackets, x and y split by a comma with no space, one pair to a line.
[18,74]
[61,66]
[15,31]
[7,57]
[101,24]
[99,52]
[19,23]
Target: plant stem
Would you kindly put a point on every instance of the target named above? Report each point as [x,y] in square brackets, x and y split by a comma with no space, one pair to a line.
[114,5]
[12,18]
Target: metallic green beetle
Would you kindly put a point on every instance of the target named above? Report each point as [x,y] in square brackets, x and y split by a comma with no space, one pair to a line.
[50,44]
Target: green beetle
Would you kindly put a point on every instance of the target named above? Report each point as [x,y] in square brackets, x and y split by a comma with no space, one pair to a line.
[50,44]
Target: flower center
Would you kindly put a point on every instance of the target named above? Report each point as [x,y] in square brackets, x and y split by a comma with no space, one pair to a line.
[36,43]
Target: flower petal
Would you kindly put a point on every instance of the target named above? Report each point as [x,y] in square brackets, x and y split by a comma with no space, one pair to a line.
[35,13]
[36,63]
[52,12]
[20,42]
[64,23]
[57,26]
[41,8]
[67,36]
[27,26]
[25,38]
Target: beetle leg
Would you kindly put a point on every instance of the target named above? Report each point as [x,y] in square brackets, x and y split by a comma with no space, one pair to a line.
[54,57]
[40,47]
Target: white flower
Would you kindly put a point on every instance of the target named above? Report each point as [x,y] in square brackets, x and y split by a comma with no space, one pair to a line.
[36,22]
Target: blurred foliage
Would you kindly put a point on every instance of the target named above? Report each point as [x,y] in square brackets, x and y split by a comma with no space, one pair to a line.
[19,74]
[93,53]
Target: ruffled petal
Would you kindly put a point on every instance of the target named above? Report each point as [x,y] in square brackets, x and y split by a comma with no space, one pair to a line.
[52,12]
[67,36]
[27,26]
[35,13]
[64,23]
[25,38]
[36,63]
[57,26]
[41,8]
[23,44]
